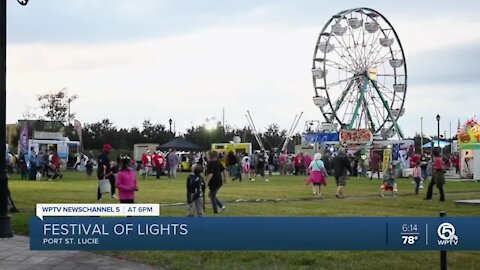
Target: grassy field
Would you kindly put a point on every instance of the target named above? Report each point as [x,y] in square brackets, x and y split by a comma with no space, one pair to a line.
[282,196]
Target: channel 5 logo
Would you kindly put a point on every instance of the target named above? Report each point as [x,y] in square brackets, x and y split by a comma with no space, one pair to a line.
[446,233]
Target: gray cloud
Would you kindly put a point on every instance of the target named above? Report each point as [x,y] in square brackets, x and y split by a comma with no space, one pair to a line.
[454,65]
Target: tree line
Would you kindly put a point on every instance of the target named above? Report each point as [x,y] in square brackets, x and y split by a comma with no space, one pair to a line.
[96,134]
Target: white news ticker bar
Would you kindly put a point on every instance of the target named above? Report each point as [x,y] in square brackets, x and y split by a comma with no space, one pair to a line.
[95,209]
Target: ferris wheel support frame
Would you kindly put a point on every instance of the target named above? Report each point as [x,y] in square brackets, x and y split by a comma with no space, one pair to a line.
[390,114]
[359,102]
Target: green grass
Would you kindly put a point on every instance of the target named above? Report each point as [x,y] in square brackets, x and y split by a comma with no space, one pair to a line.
[363,200]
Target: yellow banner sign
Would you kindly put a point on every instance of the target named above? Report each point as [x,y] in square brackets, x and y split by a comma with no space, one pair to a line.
[387,154]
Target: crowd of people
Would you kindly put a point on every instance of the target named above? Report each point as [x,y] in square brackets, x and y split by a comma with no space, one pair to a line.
[210,170]
[35,166]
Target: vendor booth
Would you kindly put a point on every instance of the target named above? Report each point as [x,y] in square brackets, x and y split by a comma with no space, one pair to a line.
[469,144]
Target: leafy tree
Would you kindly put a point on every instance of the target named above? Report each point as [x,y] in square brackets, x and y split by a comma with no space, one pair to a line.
[56,105]
[155,133]
[273,137]
[97,134]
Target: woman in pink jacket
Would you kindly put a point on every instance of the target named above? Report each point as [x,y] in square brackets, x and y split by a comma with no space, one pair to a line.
[126,182]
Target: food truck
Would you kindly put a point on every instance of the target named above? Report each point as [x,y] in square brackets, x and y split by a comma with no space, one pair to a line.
[236,148]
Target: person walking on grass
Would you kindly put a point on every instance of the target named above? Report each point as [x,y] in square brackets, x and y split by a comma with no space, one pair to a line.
[89,167]
[215,179]
[375,165]
[231,162]
[195,192]
[417,176]
[237,172]
[318,174]
[55,163]
[104,171]
[126,181]
[31,163]
[172,164]
[146,164]
[282,161]
[307,159]
[388,183]
[341,169]
[246,165]
[438,177]
[271,163]
[298,163]
[261,162]
[253,166]
[158,162]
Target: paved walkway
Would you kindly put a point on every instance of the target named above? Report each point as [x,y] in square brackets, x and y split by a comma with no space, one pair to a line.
[468,202]
[15,254]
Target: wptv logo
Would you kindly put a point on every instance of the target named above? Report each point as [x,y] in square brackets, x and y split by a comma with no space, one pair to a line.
[446,233]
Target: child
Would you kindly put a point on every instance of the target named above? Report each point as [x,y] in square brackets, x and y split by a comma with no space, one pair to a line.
[246,165]
[237,172]
[318,174]
[126,182]
[359,169]
[417,176]
[195,192]
[388,182]
[89,168]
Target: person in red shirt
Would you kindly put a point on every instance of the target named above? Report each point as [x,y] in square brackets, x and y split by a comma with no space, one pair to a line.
[159,163]
[298,163]
[456,163]
[438,177]
[375,164]
[55,166]
[147,163]
[282,160]
[414,158]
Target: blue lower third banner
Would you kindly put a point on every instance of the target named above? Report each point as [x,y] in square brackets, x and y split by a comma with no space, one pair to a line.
[255,233]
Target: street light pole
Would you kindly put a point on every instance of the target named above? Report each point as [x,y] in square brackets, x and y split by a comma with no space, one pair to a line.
[170,123]
[421,135]
[6,230]
[438,130]
[5,224]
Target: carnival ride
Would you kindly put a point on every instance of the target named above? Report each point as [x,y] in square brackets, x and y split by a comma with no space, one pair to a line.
[360,73]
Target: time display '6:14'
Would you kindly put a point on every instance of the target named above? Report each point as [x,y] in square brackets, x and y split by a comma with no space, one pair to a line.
[409,228]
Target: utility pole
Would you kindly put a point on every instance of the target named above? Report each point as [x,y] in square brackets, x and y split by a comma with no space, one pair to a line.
[450,133]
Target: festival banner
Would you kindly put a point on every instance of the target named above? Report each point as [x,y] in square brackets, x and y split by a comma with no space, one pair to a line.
[269,233]
[396,151]
[356,137]
[78,128]
[310,138]
[387,154]
[23,140]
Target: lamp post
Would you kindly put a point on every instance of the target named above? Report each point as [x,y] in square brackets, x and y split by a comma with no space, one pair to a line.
[438,130]
[421,135]
[5,224]
[170,121]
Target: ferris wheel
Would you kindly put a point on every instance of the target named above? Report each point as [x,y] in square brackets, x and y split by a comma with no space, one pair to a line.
[359,72]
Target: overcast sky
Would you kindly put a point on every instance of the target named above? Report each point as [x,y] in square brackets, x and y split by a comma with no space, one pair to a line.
[158,59]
